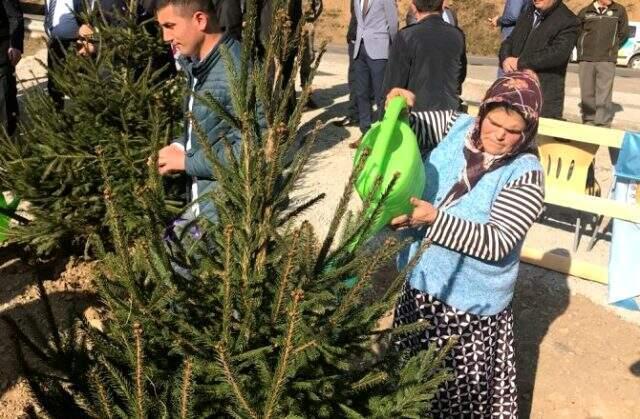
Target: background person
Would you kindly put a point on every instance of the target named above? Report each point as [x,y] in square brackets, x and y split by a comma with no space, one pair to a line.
[351,120]
[604,29]
[429,59]
[510,14]
[542,41]
[377,25]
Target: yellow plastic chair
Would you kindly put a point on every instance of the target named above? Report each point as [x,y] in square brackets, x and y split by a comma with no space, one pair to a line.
[567,169]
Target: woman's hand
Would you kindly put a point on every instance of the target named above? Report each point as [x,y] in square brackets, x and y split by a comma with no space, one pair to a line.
[408,96]
[423,213]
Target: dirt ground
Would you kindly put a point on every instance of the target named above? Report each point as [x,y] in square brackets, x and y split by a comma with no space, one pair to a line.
[576,356]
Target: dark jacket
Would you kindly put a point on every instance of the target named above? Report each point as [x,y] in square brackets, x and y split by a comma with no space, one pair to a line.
[209,77]
[230,17]
[410,18]
[545,50]
[11,28]
[429,59]
[601,35]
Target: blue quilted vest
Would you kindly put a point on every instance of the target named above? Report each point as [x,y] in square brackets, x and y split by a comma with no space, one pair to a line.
[464,282]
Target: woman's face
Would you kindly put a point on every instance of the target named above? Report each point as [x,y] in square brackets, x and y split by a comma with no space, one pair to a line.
[501,131]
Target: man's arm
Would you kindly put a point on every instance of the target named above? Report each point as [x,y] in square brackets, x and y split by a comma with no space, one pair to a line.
[463,63]
[16,23]
[555,54]
[623,27]
[391,12]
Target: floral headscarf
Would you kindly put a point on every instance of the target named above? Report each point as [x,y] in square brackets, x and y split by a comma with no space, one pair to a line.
[519,91]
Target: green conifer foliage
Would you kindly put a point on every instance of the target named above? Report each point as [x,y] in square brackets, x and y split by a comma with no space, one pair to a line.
[119,105]
[266,323]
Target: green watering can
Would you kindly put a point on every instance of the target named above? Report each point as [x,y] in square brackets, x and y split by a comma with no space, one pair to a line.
[393,149]
[7,212]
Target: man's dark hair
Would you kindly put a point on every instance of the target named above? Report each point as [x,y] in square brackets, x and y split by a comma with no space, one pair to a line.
[206,6]
[426,6]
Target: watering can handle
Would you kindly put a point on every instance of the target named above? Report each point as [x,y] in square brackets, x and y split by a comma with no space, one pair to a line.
[391,115]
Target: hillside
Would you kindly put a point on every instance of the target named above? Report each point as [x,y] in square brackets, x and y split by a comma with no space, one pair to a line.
[472,14]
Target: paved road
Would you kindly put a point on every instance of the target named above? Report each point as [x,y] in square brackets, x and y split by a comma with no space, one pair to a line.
[481,72]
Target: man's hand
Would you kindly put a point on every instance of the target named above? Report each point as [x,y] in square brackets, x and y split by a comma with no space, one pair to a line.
[408,96]
[15,55]
[494,21]
[423,213]
[171,159]
[510,64]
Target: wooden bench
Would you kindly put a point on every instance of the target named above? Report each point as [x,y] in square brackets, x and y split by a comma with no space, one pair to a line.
[603,206]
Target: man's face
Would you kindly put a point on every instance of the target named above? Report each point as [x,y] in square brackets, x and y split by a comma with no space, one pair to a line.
[606,3]
[544,5]
[182,29]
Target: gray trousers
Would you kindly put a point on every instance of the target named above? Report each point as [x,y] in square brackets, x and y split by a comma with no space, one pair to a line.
[596,89]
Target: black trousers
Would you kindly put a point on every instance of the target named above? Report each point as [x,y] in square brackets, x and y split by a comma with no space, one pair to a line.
[56,55]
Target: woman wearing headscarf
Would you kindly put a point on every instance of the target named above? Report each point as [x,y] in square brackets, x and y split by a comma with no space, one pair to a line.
[484,191]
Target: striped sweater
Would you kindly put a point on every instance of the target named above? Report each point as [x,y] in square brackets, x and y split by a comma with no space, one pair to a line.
[514,211]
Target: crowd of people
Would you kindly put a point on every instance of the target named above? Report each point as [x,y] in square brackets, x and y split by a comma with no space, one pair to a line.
[489,188]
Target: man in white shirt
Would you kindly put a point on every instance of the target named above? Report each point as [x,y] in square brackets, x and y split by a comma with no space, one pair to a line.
[61,26]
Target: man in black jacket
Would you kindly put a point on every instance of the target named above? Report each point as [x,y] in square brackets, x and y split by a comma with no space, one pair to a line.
[11,45]
[429,59]
[604,29]
[542,41]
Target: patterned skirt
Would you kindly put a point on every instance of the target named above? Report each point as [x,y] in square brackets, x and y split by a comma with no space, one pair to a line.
[482,362]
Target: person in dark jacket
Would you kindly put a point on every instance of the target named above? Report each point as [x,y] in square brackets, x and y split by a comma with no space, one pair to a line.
[351,120]
[429,59]
[192,28]
[230,17]
[11,46]
[604,29]
[448,15]
[542,41]
[312,11]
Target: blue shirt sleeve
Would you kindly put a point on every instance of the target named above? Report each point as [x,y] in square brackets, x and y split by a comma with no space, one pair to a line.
[512,10]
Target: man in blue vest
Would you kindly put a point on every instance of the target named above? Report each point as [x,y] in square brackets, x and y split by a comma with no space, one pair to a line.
[193,29]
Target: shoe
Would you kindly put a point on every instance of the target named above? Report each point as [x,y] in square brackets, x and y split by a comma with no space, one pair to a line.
[345,122]
[311,104]
[355,144]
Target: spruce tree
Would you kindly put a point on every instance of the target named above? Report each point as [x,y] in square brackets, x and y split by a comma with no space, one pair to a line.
[272,321]
[120,107]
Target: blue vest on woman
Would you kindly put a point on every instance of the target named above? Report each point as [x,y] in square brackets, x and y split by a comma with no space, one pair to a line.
[464,282]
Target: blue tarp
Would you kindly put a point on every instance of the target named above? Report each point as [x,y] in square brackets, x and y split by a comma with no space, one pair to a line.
[624,256]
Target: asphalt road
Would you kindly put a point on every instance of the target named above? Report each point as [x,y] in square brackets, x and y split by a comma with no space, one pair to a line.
[493,62]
